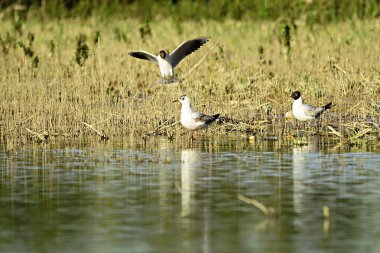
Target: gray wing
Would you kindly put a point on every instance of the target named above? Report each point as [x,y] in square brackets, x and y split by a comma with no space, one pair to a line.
[186,48]
[312,111]
[198,116]
[144,55]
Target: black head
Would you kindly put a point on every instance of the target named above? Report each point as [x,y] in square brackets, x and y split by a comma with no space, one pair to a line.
[162,54]
[296,95]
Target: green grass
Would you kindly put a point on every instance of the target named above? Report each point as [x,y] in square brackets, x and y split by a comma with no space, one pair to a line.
[313,12]
[84,75]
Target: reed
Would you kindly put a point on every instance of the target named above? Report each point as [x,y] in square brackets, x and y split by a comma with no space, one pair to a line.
[72,78]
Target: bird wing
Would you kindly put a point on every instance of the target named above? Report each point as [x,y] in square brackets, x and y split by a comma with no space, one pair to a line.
[198,116]
[312,111]
[144,55]
[187,48]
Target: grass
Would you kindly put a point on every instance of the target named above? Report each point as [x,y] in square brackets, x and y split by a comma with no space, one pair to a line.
[311,11]
[72,79]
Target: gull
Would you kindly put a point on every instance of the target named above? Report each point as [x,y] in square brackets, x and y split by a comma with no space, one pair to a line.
[194,120]
[167,62]
[305,112]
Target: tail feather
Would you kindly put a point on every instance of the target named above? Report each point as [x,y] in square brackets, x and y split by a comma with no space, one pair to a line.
[212,118]
[328,106]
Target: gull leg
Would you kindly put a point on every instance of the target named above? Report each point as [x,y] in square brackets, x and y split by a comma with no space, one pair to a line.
[317,124]
[192,136]
[296,128]
[313,126]
[192,139]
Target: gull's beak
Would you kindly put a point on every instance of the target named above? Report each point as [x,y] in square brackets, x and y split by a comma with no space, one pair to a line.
[175,101]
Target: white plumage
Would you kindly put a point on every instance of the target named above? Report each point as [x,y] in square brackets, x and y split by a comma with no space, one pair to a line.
[305,112]
[167,62]
[194,120]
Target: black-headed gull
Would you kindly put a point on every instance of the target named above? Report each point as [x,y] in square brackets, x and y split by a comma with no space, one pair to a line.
[305,112]
[194,120]
[167,62]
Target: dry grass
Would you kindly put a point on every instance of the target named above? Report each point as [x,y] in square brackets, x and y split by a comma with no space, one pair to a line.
[115,96]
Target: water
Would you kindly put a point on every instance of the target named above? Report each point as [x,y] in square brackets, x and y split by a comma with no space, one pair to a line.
[167,197]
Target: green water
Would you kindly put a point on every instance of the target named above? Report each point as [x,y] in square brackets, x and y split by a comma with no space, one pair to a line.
[165,197]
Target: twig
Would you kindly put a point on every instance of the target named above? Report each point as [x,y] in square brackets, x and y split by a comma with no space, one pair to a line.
[258,107]
[41,137]
[333,131]
[103,136]
[256,203]
[200,61]
[103,121]
[22,122]
[274,101]
[353,107]
[371,110]
[363,132]
[162,126]
[340,69]
[257,122]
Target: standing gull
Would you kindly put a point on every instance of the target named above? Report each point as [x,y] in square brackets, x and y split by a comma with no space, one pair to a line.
[305,112]
[194,120]
[167,62]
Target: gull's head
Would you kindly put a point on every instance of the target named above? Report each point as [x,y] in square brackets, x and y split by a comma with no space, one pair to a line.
[296,95]
[162,54]
[184,99]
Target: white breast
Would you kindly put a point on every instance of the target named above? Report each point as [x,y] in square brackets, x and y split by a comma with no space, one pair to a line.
[187,120]
[191,124]
[166,68]
[298,110]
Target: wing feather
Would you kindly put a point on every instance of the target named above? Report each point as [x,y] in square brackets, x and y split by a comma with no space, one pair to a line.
[144,56]
[186,48]
[198,116]
[312,111]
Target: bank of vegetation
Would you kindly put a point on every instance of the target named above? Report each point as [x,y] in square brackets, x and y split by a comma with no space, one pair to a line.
[71,78]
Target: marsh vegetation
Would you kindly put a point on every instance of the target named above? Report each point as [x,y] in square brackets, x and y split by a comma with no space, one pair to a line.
[72,78]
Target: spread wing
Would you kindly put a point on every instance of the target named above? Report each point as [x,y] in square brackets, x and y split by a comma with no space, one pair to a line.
[186,48]
[144,55]
[312,111]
